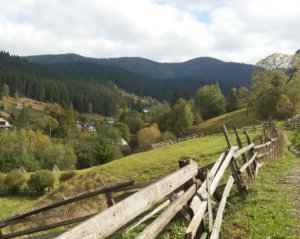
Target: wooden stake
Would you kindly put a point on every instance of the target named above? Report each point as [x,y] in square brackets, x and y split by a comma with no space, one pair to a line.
[244,157]
[109,199]
[209,204]
[234,168]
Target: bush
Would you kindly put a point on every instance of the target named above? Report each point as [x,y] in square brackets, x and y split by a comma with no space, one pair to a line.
[167,135]
[41,180]
[66,176]
[2,180]
[14,181]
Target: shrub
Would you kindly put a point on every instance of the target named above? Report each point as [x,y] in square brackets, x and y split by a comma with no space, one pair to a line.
[66,176]
[14,181]
[167,135]
[41,180]
[2,182]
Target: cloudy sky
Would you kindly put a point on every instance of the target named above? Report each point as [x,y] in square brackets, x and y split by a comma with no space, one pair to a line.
[162,30]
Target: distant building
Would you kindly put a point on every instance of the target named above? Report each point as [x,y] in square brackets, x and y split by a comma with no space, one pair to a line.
[85,126]
[18,106]
[110,121]
[4,124]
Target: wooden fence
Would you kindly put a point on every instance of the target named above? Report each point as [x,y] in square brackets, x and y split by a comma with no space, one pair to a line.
[253,128]
[294,125]
[38,214]
[191,191]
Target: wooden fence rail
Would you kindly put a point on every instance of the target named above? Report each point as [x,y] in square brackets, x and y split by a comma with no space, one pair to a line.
[190,190]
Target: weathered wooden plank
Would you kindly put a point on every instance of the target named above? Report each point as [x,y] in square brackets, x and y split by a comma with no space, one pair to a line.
[263,154]
[260,146]
[113,218]
[196,221]
[242,151]
[109,199]
[33,218]
[209,203]
[147,216]
[219,169]
[259,165]
[246,165]
[199,202]
[133,187]
[219,216]
[204,235]
[71,199]
[244,156]
[234,168]
[46,227]
[158,225]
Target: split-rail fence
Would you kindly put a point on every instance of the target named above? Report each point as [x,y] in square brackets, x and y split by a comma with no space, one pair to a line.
[193,192]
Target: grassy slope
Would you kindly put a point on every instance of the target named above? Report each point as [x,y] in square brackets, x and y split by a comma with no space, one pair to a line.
[237,118]
[260,216]
[9,204]
[268,211]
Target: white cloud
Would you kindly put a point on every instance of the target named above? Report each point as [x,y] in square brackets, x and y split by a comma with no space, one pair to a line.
[164,30]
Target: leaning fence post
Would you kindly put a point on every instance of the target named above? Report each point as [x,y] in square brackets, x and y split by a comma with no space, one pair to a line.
[244,157]
[249,141]
[209,203]
[109,199]
[234,167]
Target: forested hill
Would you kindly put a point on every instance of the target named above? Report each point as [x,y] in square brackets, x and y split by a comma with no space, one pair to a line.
[161,89]
[48,84]
[211,69]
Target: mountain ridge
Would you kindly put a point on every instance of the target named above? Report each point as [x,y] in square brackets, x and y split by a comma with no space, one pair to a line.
[207,67]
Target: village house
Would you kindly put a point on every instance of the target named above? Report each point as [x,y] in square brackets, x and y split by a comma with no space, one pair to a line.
[85,126]
[4,124]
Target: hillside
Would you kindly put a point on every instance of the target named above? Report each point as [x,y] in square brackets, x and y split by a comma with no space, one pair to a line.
[80,92]
[209,69]
[152,165]
[237,118]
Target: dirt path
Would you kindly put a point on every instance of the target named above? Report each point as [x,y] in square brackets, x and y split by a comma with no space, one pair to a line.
[294,179]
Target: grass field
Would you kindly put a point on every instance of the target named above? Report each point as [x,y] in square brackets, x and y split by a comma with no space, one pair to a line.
[237,118]
[268,212]
[10,204]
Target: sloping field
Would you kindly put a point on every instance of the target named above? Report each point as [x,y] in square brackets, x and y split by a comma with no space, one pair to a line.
[237,118]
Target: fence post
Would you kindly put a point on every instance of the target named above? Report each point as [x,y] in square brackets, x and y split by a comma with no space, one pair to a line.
[209,203]
[109,199]
[1,234]
[234,168]
[249,141]
[185,211]
[244,156]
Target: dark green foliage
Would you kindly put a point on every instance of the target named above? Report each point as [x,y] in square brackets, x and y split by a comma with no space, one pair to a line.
[232,103]
[205,67]
[104,151]
[33,151]
[50,84]
[41,180]
[276,88]
[134,120]
[111,133]
[4,90]
[178,119]
[66,176]
[210,101]
[2,182]
[14,181]
[124,129]
[184,118]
